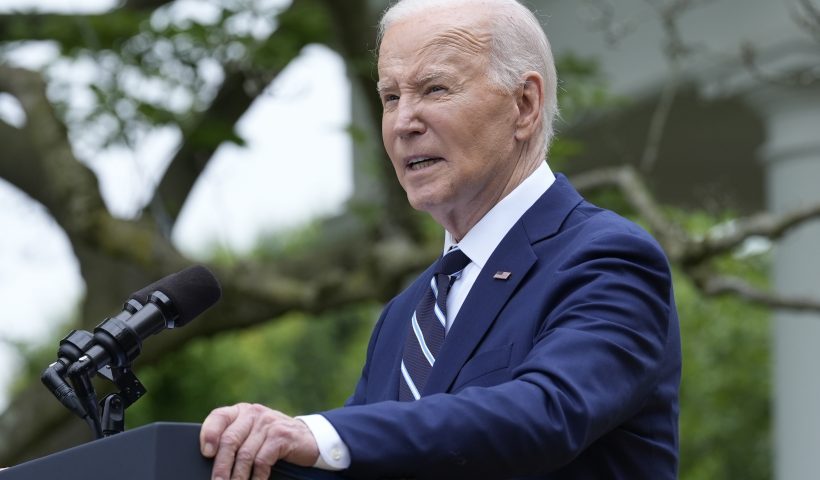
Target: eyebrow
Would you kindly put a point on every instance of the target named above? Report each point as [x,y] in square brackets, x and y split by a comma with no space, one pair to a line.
[382,85]
[419,80]
[431,75]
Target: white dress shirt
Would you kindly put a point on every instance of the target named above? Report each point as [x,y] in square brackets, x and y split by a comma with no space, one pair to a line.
[478,244]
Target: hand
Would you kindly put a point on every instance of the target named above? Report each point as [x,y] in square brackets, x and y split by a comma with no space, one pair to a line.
[247,439]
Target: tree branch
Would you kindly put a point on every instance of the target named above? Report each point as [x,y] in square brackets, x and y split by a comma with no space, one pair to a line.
[109,29]
[695,253]
[629,182]
[52,176]
[242,85]
[807,17]
[717,285]
[768,225]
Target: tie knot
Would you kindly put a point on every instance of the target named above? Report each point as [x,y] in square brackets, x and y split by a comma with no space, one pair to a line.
[454,261]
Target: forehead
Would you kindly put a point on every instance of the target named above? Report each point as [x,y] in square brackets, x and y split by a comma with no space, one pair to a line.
[432,38]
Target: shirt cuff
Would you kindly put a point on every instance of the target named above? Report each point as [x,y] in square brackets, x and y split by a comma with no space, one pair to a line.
[333,453]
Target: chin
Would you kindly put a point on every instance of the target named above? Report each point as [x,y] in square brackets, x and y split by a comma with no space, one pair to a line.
[421,202]
[417,204]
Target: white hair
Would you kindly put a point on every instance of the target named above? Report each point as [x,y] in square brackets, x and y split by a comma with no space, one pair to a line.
[518,45]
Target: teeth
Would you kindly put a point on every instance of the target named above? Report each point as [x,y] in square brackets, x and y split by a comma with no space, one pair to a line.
[420,159]
[420,163]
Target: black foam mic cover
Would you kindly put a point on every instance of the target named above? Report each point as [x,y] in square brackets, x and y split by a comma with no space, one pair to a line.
[191,291]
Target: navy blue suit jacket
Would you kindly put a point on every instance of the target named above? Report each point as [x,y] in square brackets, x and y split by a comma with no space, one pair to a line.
[569,369]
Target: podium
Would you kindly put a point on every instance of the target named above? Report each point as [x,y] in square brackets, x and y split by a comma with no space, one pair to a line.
[159,451]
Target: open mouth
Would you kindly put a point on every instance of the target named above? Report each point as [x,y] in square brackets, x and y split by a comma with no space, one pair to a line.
[422,162]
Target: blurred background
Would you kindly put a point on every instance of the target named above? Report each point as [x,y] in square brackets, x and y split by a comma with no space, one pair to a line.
[138,137]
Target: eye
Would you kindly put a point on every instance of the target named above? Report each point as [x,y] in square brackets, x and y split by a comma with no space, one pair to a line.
[434,89]
[389,97]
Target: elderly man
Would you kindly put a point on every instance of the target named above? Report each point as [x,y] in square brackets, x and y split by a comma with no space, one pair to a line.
[544,343]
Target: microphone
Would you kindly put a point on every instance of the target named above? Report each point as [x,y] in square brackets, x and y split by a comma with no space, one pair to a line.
[72,347]
[170,302]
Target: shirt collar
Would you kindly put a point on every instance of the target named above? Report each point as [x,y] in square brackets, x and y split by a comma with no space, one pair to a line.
[480,242]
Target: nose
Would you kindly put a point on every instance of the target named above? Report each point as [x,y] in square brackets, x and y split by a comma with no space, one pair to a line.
[408,119]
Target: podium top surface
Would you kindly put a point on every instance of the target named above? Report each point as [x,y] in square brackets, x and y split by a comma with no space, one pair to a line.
[159,451]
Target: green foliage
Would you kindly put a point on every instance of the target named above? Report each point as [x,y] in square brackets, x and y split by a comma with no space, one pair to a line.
[725,404]
[162,68]
[582,90]
[283,244]
[297,365]
[34,359]
[725,423]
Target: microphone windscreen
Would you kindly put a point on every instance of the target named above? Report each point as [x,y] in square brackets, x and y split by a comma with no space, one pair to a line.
[192,291]
[142,294]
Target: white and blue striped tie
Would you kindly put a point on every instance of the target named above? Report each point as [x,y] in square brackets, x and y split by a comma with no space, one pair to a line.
[427,326]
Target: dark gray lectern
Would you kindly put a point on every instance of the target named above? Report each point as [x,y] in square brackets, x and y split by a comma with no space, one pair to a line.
[160,451]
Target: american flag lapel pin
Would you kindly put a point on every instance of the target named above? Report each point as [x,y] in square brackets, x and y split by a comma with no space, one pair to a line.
[502,275]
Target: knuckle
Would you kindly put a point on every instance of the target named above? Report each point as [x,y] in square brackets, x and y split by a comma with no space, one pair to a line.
[261,464]
[230,440]
[245,456]
[259,409]
[276,431]
[222,469]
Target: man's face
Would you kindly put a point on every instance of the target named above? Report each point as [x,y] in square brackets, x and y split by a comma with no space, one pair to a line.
[449,132]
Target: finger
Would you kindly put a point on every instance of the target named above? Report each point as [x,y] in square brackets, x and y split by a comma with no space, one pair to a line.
[268,454]
[246,455]
[213,426]
[231,441]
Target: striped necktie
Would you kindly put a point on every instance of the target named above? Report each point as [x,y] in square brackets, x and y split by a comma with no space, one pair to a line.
[427,326]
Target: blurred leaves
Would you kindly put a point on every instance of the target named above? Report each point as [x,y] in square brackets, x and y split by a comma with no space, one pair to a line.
[725,429]
[163,67]
[297,365]
[582,92]
[582,89]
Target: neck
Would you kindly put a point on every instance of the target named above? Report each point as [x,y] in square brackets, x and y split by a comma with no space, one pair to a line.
[459,223]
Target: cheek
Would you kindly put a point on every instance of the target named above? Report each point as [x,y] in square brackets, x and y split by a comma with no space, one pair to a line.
[386,131]
[387,140]
[496,135]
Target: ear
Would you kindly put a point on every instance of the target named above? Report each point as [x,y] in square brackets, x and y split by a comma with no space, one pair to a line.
[530,102]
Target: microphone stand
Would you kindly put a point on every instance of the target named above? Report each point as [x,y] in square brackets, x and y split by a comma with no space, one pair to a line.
[113,405]
[109,418]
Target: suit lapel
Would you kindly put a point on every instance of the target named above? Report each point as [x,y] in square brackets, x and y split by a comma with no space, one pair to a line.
[489,294]
[486,298]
